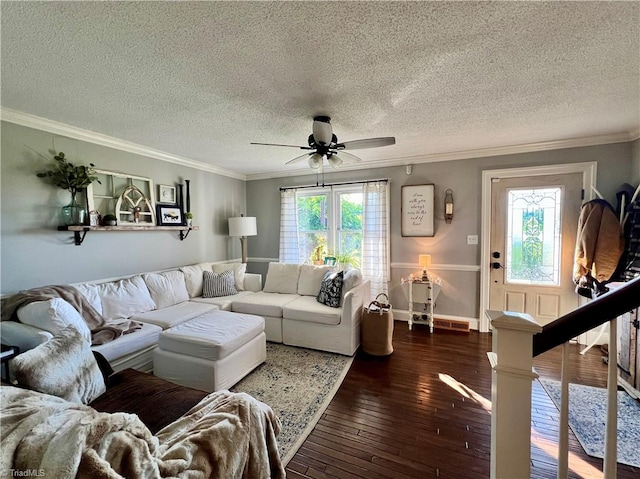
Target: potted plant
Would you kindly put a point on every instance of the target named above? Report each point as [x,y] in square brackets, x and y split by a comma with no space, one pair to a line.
[347,260]
[189,217]
[73,178]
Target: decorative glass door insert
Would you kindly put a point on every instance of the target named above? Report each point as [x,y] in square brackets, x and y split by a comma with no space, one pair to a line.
[533,236]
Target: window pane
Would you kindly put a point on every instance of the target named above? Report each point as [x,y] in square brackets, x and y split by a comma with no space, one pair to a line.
[312,213]
[351,211]
[309,244]
[533,236]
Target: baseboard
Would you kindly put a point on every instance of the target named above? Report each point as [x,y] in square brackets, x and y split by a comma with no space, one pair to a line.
[472,323]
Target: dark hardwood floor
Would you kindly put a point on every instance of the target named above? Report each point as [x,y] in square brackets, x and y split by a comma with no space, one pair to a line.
[423,412]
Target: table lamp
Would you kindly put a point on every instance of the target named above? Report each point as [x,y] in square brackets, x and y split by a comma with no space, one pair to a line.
[424,260]
[242,227]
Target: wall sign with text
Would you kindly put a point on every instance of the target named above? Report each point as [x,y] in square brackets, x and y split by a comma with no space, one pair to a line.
[417,210]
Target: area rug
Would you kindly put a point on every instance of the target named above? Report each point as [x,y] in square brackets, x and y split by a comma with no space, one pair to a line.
[298,384]
[587,413]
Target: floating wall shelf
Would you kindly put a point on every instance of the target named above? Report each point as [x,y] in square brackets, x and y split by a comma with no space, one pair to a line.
[79,232]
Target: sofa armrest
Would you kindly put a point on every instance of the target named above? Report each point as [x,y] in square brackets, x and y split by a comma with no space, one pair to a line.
[354,301]
[22,335]
[252,282]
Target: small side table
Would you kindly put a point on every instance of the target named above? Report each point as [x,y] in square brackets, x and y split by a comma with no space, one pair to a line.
[7,353]
[424,292]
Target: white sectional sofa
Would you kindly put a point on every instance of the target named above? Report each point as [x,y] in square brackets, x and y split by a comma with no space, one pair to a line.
[162,301]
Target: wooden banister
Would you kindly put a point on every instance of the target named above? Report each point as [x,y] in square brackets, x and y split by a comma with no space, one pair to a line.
[599,311]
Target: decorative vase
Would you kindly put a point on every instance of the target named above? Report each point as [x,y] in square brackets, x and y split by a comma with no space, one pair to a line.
[74,213]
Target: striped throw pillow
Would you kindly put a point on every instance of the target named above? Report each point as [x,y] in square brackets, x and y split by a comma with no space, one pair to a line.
[218,284]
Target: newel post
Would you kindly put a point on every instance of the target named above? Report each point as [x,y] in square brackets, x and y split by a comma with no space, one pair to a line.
[512,363]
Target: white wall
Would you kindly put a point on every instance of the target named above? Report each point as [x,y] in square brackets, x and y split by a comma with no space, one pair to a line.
[456,262]
[34,253]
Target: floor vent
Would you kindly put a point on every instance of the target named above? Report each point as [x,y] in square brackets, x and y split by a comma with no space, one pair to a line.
[451,324]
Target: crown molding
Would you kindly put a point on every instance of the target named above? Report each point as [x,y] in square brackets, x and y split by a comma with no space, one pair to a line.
[57,128]
[467,154]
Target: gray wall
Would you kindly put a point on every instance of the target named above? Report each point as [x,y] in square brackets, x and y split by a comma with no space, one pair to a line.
[454,261]
[34,253]
[635,162]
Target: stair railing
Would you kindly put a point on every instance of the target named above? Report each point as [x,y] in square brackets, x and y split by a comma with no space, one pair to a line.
[517,339]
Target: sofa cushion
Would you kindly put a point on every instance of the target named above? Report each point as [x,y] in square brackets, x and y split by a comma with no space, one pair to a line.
[218,284]
[351,279]
[91,293]
[193,278]
[166,289]
[239,270]
[222,302]
[63,367]
[53,316]
[213,335]
[282,278]
[131,343]
[176,314]
[311,278]
[263,304]
[125,298]
[331,289]
[307,308]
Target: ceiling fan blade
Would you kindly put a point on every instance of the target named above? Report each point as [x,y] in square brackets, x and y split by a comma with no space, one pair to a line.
[298,158]
[290,146]
[368,143]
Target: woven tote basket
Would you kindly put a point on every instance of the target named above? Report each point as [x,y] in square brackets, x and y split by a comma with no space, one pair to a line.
[377,327]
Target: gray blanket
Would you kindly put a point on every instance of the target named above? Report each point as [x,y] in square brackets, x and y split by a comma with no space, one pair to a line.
[227,435]
[101,331]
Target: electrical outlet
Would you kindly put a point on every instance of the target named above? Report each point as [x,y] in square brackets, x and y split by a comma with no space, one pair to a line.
[472,239]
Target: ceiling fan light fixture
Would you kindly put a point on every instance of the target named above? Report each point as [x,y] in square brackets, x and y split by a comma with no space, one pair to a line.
[315,161]
[335,161]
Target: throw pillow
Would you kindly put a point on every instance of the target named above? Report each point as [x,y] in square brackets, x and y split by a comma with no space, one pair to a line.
[218,284]
[331,289]
[166,288]
[63,367]
[239,270]
[282,278]
[53,315]
[352,278]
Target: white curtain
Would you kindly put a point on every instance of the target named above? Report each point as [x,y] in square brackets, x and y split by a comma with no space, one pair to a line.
[289,248]
[375,236]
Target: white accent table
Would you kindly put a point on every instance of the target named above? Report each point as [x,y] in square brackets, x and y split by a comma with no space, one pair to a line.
[424,292]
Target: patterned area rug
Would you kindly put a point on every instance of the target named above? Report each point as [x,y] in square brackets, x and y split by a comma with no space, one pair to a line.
[298,384]
[587,413]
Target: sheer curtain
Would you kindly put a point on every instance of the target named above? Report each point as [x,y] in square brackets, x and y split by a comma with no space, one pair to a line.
[375,236]
[289,248]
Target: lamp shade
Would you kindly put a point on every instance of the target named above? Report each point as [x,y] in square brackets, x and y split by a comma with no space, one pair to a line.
[424,260]
[243,226]
[315,161]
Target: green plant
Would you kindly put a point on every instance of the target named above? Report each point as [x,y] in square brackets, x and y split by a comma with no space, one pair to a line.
[348,258]
[188,215]
[67,176]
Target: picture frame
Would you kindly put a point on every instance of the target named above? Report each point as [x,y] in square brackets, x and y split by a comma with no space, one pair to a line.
[169,215]
[417,210]
[167,194]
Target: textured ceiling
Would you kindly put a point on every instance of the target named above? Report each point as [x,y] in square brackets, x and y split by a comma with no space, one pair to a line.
[201,80]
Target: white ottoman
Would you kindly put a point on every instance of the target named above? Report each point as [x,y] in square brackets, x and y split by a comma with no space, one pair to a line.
[212,351]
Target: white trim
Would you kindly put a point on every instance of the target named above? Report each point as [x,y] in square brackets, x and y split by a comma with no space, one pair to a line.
[589,172]
[473,268]
[57,128]
[403,315]
[622,137]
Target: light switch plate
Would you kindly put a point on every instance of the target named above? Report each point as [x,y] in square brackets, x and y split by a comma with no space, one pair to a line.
[472,239]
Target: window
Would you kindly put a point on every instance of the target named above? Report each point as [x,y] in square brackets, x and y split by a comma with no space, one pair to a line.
[330,224]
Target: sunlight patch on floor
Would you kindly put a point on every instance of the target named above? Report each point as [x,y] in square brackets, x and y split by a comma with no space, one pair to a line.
[466,391]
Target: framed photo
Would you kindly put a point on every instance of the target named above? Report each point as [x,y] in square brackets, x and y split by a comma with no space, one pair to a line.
[417,210]
[167,194]
[169,215]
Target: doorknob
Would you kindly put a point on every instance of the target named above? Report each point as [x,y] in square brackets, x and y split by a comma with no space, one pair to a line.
[496,265]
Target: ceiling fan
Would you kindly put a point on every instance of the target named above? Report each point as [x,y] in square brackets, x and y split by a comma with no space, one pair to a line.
[324,144]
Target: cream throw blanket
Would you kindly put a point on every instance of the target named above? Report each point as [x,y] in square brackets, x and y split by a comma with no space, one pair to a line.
[227,435]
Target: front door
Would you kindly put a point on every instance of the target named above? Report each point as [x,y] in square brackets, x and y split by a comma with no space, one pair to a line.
[533,236]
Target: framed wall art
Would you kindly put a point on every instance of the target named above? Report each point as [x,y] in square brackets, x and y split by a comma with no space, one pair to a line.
[417,210]
[169,215]
[167,194]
